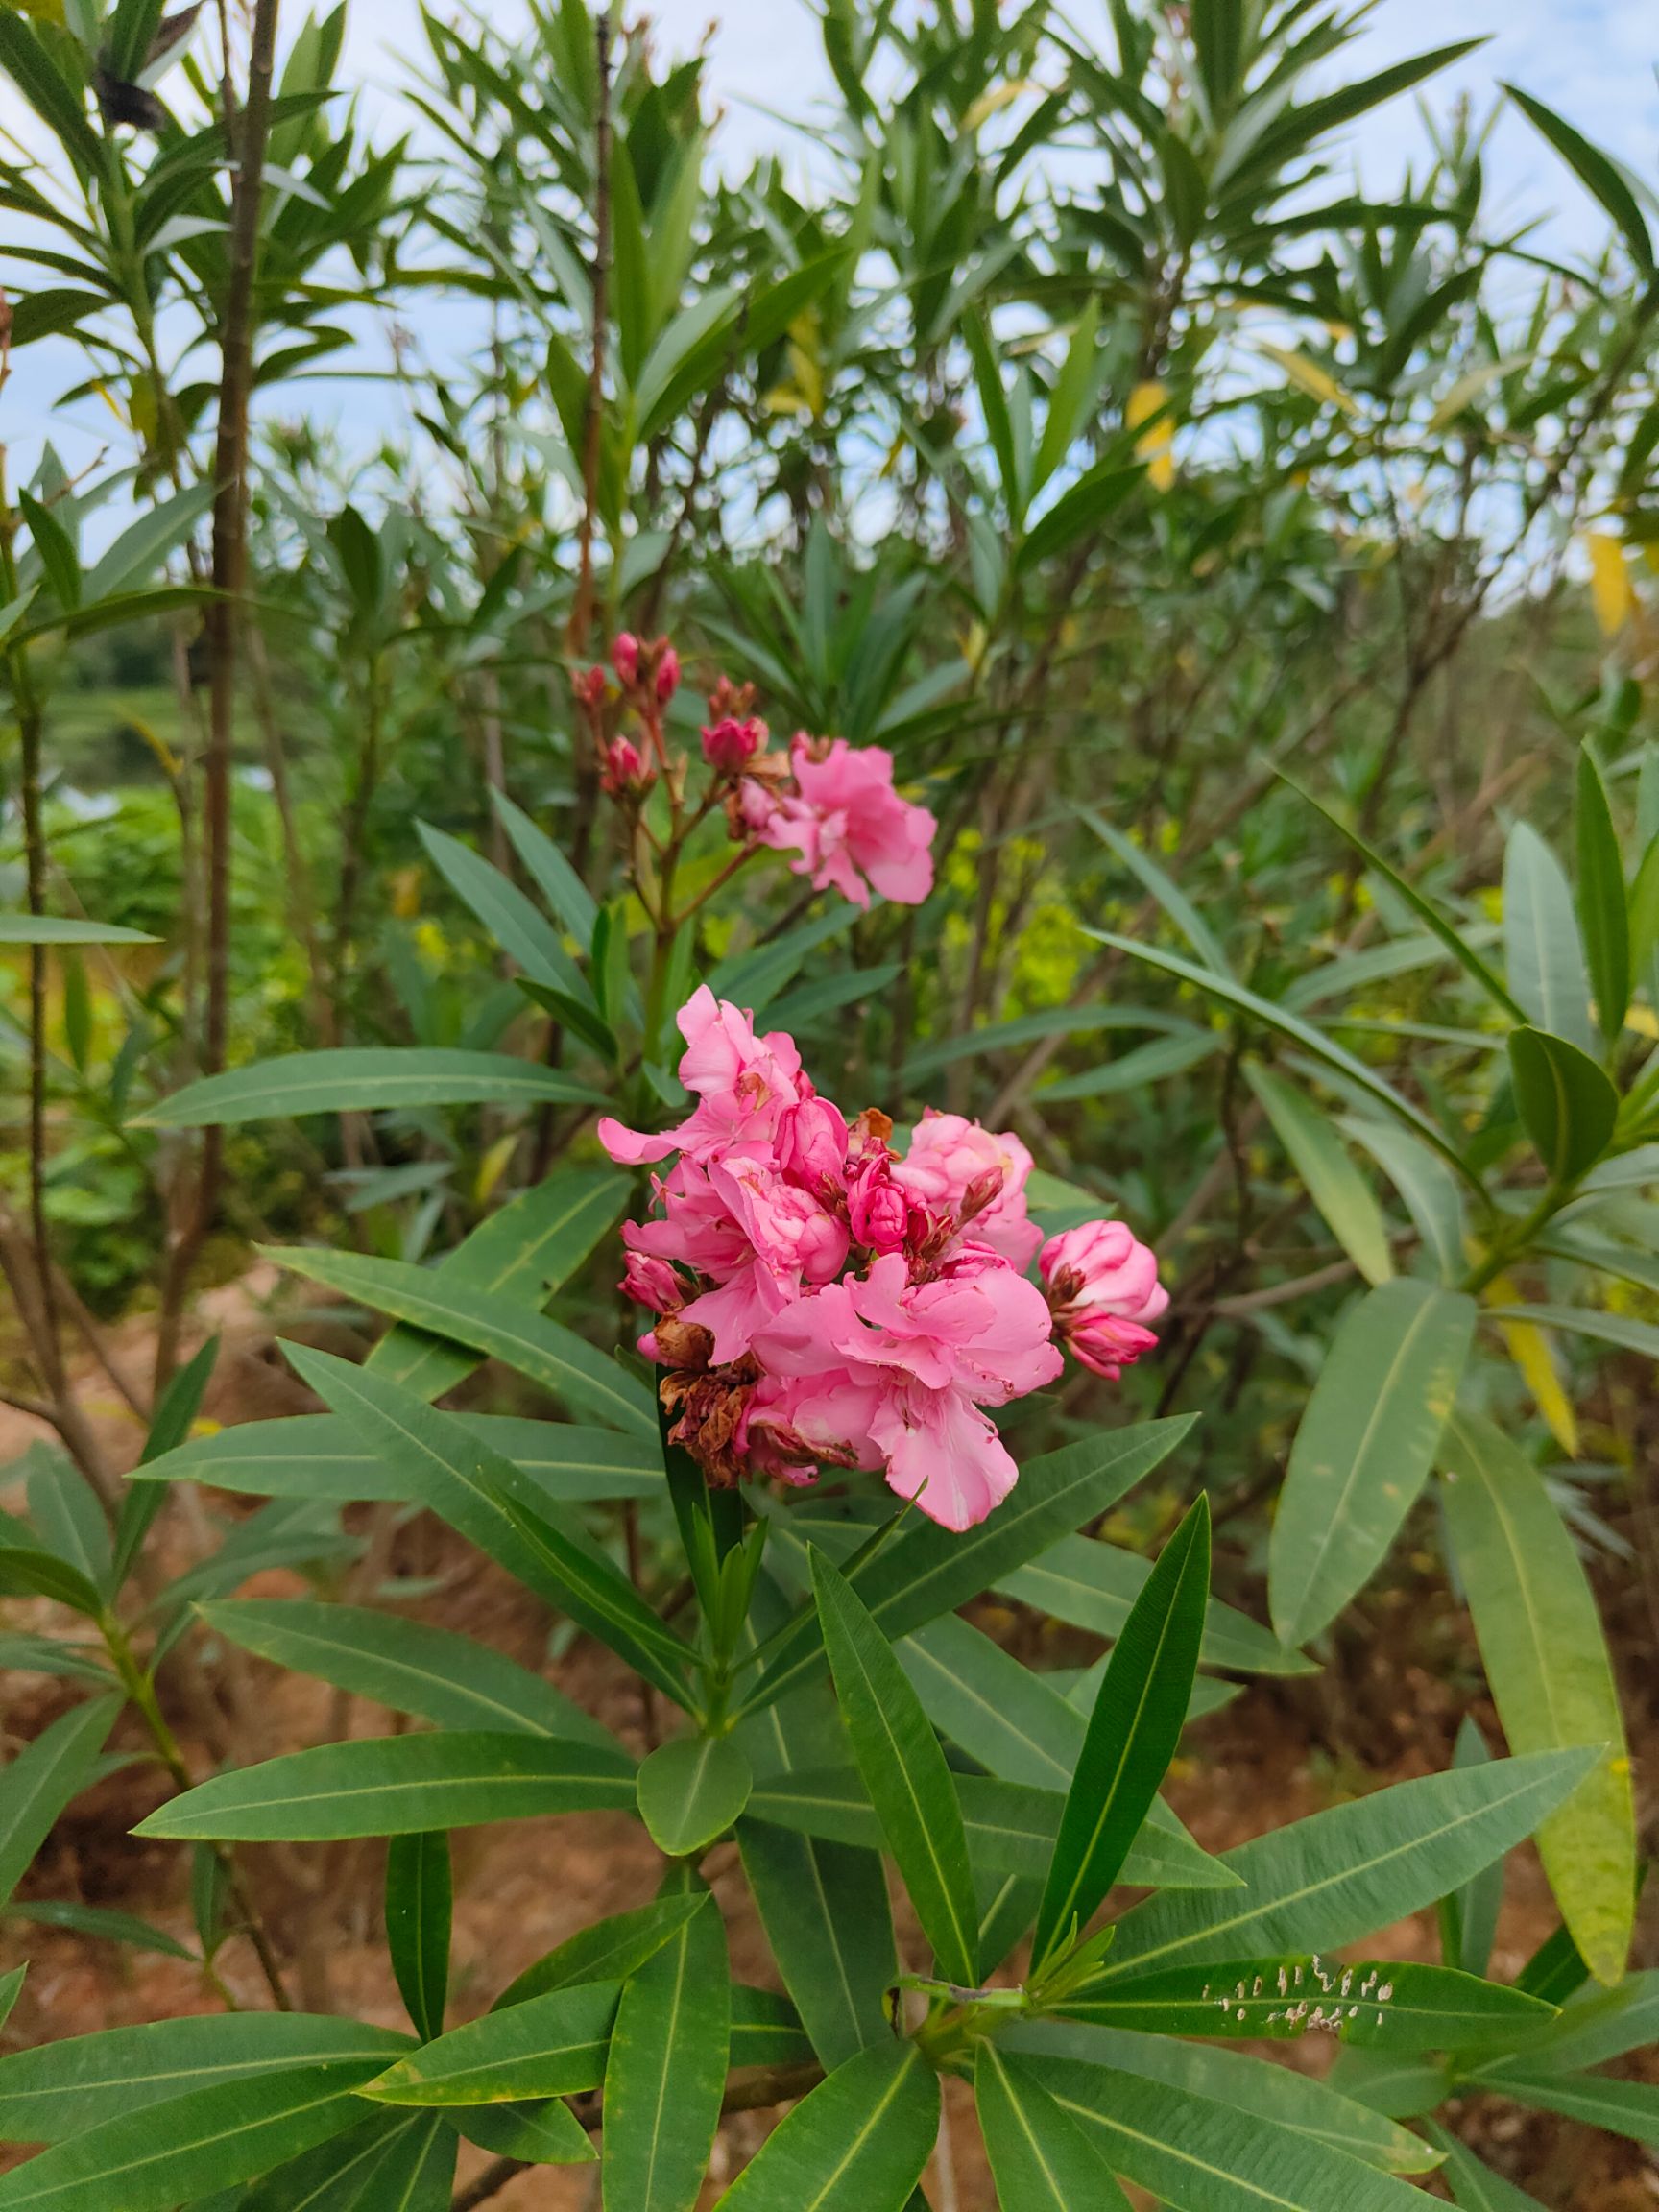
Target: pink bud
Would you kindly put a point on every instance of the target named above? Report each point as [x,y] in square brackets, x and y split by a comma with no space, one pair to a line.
[590,687]
[625,657]
[624,771]
[667,674]
[730,745]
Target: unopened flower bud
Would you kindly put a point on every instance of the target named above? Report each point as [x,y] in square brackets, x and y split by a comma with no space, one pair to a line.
[625,657]
[729,745]
[624,771]
[667,674]
[590,687]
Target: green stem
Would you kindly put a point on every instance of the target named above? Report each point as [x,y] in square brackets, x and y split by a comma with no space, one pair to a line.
[1509,1247]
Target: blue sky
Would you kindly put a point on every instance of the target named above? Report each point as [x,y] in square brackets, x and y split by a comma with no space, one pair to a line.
[1594,59]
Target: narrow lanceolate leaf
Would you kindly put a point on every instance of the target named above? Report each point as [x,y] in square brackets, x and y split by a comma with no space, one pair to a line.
[528,1247]
[1566,1101]
[666,2071]
[419,1901]
[929,1570]
[1319,1155]
[1276,2093]
[1431,1194]
[1469,1916]
[537,2132]
[1544,950]
[1340,1875]
[337,2175]
[1546,1660]
[521,930]
[1093,1585]
[766,2029]
[11,1989]
[905,1773]
[153,2160]
[398,1785]
[366,1080]
[551,2046]
[316,1456]
[1474,2186]
[1375,2005]
[414,2173]
[1138,1719]
[692,1790]
[1041,2159]
[608,1950]
[823,1907]
[450,1679]
[1189,2150]
[51,929]
[1364,1448]
[857,2144]
[1602,906]
[46,2093]
[470,1486]
[506,1329]
[1594,2029]
[1622,2108]
[43,1778]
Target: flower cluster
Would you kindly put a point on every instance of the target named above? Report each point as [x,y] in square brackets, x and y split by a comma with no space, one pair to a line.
[821,1300]
[831,805]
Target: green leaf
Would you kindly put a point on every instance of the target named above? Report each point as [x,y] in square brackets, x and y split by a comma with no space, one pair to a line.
[1344,1199]
[1567,1103]
[1621,2107]
[397,1786]
[479,1494]
[1093,1584]
[315,1455]
[1430,1190]
[905,1773]
[1364,1448]
[857,2144]
[766,2029]
[1081,508]
[1291,1025]
[337,2175]
[170,1426]
[692,1790]
[552,874]
[1475,2187]
[1543,949]
[929,1570]
[153,2159]
[31,1654]
[41,1781]
[1630,1335]
[144,544]
[666,2073]
[1429,914]
[1600,176]
[420,1903]
[531,1245]
[607,1951]
[97,1920]
[1225,2077]
[57,929]
[520,931]
[1136,1722]
[1591,2028]
[1338,1875]
[550,1355]
[365,1079]
[405,1665]
[1373,2004]
[1546,1662]
[1164,890]
[1041,2159]
[1192,2151]
[540,2131]
[551,2046]
[27,1571]
[1010,1827]
[11,1989]
[823,1907]
[67,1517]
[1601,899]
[1469,1916]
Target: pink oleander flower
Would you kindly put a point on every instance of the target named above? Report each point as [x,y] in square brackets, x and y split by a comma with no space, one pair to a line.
[1103,1287]
[847,823]
[886,1371]
[730,744]
[744,1086]
[954,1167]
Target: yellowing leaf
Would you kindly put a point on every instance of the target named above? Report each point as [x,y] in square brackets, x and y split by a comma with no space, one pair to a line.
[406,893]
[1534,1356]
[1307,376]
[1611,592]
[988,103]
[492,1166]
[1149,402]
